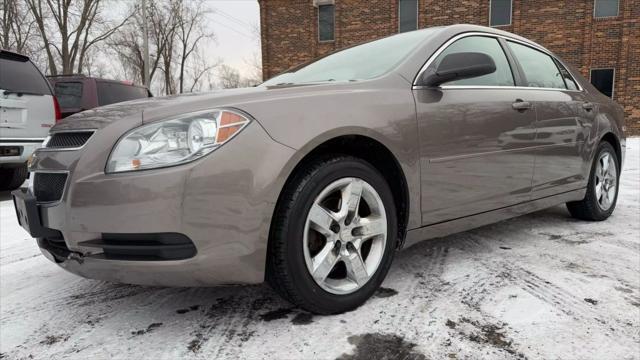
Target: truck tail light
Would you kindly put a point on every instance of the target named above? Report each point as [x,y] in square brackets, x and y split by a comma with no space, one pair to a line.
[56,107]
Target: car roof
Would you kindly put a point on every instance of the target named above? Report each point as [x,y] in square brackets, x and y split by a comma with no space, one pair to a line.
[463,28]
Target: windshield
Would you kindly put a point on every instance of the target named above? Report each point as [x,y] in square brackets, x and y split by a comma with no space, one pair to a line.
[362,62]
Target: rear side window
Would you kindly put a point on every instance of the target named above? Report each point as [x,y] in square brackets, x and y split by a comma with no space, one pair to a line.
[568,79]
[110,93]
[69,94]
[18,74]
[486,45]
[539,68]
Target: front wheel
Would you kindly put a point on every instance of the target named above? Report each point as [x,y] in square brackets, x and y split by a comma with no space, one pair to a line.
[602,189]
[333,235]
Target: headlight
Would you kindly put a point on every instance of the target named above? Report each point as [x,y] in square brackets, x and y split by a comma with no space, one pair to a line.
[175,141]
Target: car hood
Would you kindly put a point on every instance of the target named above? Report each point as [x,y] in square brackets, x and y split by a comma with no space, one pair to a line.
[142,111]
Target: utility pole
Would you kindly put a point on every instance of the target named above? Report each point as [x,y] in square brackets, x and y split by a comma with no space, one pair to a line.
[145,43]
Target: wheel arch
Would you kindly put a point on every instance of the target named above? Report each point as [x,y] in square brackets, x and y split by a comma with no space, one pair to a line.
[368,149]
[611,138]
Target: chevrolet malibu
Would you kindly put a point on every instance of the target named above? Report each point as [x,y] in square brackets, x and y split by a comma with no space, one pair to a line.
[313,180]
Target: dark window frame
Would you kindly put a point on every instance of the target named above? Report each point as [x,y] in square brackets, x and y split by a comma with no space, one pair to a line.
[333,24]
[510,14]
[417,17]
[566,74]
[595,7]
[613,79]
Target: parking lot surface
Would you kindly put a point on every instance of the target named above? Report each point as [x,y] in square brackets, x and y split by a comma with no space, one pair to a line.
[539,286]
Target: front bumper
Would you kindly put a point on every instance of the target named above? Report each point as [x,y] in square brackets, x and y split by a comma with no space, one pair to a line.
[222,203]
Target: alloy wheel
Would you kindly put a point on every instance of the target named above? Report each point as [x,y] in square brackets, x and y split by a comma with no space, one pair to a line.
[606,180]
[345,235]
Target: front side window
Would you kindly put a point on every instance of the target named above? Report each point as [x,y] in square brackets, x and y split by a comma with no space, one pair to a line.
[500,12]
[326,22]
[362,62]
[408,15]
[605,8]
[602,79]
[539,68]
[69,94]
[486,45]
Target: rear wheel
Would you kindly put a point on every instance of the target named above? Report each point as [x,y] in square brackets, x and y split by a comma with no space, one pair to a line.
[333,236]
[602,189]
[12,178]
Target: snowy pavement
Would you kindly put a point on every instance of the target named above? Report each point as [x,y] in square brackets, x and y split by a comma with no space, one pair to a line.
[539,286]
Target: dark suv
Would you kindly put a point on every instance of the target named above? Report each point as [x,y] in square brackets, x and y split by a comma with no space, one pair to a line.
[77,93]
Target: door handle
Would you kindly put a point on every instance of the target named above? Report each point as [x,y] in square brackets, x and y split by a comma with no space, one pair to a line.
[521,105]
[587,106]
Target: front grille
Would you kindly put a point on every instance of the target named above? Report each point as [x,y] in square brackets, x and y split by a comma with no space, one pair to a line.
[48,187]
[74,139]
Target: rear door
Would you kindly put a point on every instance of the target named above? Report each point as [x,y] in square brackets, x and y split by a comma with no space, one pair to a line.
[26,102]
[564,122]
[476,138]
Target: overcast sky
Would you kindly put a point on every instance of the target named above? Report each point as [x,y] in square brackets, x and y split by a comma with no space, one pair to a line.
[234,24]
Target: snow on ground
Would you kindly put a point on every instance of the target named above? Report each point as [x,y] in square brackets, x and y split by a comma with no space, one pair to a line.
[540,286]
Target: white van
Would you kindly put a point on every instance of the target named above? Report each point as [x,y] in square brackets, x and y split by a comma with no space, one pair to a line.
[28,110]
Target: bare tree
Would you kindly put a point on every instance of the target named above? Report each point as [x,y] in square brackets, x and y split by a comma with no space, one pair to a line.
[68,29]
[229,77]
[191,31]
[254,73]
[127,42]
[18,27]
[201,71]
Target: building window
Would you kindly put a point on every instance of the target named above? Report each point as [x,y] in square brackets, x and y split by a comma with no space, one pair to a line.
[500,13]
[603,80]
[326,22]
[605,8]
[408,15]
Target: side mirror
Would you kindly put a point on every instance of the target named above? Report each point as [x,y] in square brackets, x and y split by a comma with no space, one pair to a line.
[458,66]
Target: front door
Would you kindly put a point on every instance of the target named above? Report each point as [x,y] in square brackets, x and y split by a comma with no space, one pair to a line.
[476,139]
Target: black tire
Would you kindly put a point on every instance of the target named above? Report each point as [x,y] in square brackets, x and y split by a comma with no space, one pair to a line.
[12,178]
[286,268]
[588,208]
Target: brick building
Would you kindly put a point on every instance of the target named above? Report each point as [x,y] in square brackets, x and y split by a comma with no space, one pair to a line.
[600,37]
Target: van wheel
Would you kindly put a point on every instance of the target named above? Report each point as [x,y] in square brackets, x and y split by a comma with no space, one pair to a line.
[12,178]
[333,235]
[602,189]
